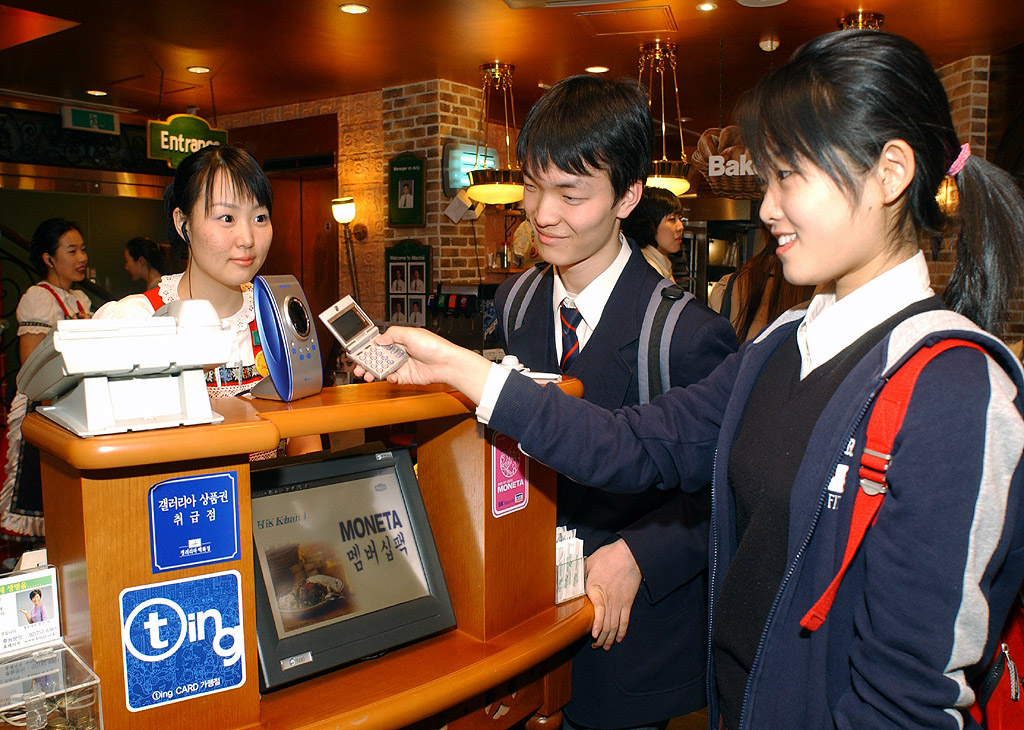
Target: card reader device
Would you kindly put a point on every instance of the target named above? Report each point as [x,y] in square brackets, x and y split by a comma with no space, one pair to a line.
[355,331]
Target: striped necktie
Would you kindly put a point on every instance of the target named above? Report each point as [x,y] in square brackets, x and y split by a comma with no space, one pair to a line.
[571,318]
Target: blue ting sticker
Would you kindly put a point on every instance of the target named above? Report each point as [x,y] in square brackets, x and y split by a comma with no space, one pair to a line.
[182,639]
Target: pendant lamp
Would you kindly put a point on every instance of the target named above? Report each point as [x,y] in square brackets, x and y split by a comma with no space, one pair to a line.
[499,185]
[658,58]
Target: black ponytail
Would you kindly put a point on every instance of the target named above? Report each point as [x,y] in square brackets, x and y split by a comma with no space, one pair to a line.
[987,228]
[837,103]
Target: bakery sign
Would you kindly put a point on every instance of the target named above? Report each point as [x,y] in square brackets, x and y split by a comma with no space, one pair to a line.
[179,137]
[719,165]
[726,164]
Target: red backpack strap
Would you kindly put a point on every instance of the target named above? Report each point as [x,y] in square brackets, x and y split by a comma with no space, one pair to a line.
[883,425]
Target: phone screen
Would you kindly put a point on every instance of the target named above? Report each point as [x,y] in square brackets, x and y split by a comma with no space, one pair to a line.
[349,324]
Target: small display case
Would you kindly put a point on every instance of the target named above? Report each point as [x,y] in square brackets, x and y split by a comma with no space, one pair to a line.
[43,682]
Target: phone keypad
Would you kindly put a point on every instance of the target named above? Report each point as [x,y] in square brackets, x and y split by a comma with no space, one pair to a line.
[381,359]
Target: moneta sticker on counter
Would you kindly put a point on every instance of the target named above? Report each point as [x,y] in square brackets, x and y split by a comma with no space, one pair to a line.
[510,481]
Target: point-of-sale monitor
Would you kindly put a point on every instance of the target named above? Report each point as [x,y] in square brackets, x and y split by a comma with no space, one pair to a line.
[346,566]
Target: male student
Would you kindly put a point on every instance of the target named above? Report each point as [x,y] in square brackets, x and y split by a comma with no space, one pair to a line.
[585,149]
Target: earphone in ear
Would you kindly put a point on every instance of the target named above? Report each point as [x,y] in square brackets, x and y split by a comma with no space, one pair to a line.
[184,233]
[49,262]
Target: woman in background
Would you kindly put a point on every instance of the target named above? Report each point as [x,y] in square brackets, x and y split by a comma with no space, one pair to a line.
[757,294]
[656,225]
[58,255]
[144,261]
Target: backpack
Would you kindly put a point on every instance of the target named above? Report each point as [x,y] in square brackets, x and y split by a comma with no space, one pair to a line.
[997,703]
[653,351]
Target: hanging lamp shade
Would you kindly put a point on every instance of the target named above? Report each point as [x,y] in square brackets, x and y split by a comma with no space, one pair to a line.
[669,175]
[501,185]
[496,186]
[657,59]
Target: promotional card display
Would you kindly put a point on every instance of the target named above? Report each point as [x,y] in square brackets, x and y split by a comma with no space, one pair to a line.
[43,683]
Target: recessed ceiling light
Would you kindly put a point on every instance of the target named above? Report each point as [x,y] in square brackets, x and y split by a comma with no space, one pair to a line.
[96,92]
[353,8]
[199,69]
[597,69]
[759,3]
[707,6]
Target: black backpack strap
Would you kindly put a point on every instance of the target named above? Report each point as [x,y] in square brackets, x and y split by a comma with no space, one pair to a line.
[726,308]
[519,298]
[655,347]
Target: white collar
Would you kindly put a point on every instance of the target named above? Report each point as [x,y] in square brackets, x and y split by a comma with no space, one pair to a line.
[168,291]
[592,300]
[829,327]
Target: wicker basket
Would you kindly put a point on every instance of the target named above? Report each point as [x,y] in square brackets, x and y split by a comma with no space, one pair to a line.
[744,187]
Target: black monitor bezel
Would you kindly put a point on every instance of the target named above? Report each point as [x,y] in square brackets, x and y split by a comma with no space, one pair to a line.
[367,635]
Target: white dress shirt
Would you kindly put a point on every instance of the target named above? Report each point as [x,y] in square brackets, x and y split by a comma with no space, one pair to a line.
[829,327]
[590,302]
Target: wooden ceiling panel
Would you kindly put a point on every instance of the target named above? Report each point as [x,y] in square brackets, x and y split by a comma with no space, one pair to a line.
[652,20]
[268,53]
[21,26]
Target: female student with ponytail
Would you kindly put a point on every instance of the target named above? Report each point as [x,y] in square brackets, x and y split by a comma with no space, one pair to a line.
[853,137]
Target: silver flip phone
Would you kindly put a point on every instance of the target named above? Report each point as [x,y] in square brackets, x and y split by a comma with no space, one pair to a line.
[355,331]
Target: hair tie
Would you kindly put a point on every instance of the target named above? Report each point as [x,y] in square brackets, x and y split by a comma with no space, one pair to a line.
[958,163]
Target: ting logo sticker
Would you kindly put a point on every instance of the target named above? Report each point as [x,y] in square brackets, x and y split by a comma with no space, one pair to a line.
[182,639]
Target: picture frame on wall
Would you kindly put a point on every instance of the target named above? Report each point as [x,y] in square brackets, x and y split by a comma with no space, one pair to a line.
[407,264]
[406,191]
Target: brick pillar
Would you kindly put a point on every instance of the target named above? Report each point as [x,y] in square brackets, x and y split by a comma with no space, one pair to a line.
[420,118]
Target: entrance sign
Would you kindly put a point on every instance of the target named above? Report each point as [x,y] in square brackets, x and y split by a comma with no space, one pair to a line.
[179,137]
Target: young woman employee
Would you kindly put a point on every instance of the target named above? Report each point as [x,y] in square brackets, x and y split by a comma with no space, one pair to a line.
[218,214]
[58,254]
[853,137]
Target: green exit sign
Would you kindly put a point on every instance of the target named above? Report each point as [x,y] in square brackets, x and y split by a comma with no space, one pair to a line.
[90,120]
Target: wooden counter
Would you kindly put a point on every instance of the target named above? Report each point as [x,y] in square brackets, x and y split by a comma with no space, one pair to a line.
[500,665]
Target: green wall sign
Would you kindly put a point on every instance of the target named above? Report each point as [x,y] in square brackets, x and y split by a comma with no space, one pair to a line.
[179,137]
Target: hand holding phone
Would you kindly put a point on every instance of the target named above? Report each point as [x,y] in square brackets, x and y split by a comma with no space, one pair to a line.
[356,332]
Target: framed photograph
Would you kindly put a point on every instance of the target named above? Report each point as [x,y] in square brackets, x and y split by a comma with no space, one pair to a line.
[397,308]
[407,264]
[417,279]
[397,278]
[406,191]
[416,315]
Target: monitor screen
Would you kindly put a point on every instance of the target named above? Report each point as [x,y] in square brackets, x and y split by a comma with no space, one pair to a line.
[349,324]
[345,563]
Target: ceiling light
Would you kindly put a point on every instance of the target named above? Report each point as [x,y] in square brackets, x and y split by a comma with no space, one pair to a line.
[501,185]
[353,8]
[658,57]
[706,7]
[769,43]
[199,69]
[597,69]
[96,92]
[862,19]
